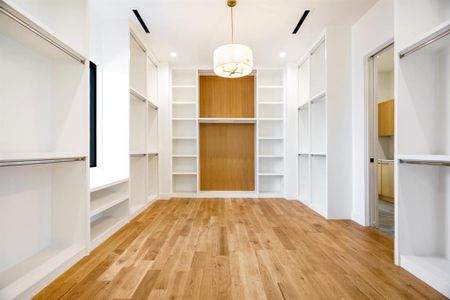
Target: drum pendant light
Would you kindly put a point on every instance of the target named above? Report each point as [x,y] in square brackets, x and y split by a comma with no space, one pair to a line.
[233,60]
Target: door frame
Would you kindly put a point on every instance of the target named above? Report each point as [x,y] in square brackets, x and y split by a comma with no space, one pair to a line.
[372,132]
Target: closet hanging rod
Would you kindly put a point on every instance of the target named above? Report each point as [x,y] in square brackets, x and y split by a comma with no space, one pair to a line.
[428,41]
[134,36]
[29,162]
[137,95]
[21,20]
[138,155]
[426,162]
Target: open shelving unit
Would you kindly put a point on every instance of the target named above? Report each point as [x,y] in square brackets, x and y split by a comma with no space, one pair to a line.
[270,109]
[322,149]
[143,126]
[43,159]
[184,101]
[312,132]
[423,158]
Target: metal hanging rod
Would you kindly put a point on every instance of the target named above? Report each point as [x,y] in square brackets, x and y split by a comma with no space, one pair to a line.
[134,36]
[426,162]
[21,20]
[29,162]
[138,154]
[426,42]
[138,95]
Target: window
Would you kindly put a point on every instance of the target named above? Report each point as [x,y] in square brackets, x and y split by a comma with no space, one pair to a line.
[93,114]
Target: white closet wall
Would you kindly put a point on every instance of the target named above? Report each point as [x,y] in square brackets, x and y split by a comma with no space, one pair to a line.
[43,142]
[423,143]
[324,131]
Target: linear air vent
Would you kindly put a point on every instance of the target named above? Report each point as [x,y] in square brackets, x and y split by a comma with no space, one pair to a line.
[141,21]
[301,21]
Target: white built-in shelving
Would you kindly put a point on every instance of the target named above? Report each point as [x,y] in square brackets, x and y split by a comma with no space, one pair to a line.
[324,152]
[270,132]
[143,126]
[44,144]
[423,143]
[115,201]
[184,131]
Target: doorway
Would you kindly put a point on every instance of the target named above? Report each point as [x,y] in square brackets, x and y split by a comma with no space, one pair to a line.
[381,140]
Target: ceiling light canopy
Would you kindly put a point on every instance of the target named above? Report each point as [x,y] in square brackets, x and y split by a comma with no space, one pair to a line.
[233,60]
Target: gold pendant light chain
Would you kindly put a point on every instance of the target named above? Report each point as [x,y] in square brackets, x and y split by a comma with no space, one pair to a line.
[231,4]
[232,27]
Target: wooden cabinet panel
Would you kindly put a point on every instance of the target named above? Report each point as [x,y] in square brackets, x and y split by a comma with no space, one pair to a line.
[386,118]
[227,98]
[386,180]
[227,157]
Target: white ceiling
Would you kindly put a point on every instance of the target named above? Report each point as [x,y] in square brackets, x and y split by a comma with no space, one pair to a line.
[194,28]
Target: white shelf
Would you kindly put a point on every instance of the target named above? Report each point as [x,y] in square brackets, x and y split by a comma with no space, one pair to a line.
[183,86]
[270,138]
[184,183]
[104,227]
[227,120]
[184,119]
[433,270]
[271,156]
[185,155]
[184,138]
[318,154]
[271,103]
[16,280]
[270,119]
[105,200]
[184,173]
[271,174]
[34,35]
[184,103]
[102,182]
[183,77]
[270,86]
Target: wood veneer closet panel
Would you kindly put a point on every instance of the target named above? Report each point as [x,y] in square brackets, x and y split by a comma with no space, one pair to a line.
[227,98]
[227,157]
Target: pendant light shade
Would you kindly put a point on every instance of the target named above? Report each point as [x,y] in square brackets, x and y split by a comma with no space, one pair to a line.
[233,61]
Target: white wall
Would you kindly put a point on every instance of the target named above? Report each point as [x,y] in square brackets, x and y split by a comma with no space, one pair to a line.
[374,29]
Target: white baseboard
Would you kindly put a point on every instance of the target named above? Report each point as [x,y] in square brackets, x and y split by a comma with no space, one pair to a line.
[359,218]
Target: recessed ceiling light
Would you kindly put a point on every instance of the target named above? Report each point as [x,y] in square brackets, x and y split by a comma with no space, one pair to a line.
[282,54]
[173,54]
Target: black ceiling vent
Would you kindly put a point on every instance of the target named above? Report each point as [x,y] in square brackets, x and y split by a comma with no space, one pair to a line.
[301,21]
[141,21]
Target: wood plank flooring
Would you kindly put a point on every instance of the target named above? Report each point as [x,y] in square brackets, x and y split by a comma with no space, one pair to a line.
[239,249]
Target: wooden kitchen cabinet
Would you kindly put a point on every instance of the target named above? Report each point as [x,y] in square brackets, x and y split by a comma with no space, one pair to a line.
[386,118]
[386,180]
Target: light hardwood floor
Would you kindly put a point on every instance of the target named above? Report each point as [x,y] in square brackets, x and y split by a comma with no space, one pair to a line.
[239,249]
